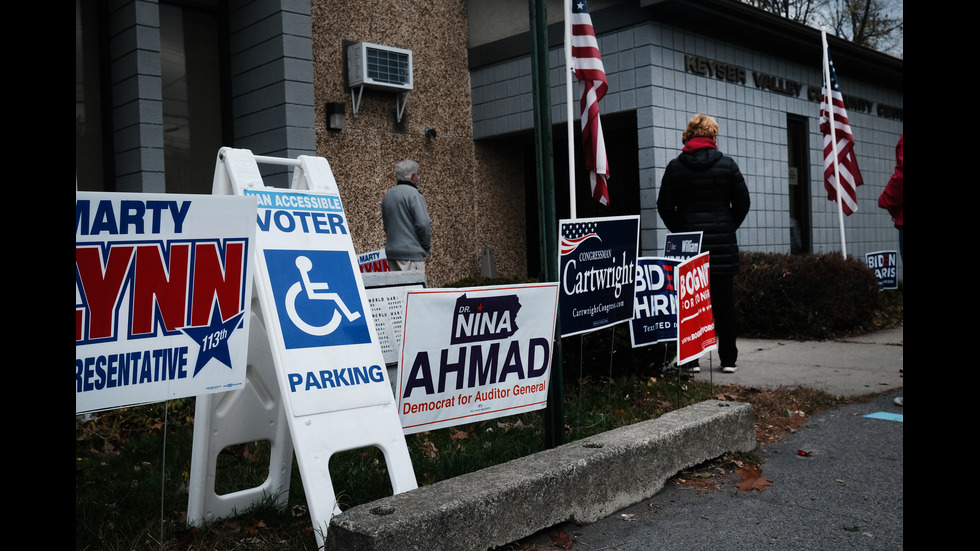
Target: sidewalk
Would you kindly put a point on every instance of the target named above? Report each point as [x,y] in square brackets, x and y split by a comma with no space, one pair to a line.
[837,484]
[852,367]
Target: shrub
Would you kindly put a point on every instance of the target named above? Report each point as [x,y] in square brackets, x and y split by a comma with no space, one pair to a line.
[806,297]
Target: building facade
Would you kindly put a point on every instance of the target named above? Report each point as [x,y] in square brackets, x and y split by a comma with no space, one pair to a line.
[161,86]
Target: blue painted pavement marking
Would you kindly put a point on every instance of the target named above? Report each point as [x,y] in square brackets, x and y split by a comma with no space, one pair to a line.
[886,416]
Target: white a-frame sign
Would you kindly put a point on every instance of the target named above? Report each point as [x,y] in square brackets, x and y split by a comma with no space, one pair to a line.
[318,367]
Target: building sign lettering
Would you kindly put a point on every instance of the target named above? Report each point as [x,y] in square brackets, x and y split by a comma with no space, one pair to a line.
[706,67]
[731,73]
[776,84]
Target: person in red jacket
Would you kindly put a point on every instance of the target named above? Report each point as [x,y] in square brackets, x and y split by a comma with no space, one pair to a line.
[891,199]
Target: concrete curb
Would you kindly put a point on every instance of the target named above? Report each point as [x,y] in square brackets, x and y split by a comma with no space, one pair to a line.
[581,481]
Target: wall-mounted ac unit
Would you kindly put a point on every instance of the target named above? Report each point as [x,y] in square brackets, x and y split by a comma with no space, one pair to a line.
[381,67]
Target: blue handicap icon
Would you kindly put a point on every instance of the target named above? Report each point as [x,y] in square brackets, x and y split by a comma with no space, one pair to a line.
[317,298]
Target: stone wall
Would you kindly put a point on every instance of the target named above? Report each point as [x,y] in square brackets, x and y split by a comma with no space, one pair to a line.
[472,206]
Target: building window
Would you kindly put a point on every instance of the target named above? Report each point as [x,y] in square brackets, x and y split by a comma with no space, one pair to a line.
[191,69]
[799,184]
[193,92]
[91,172]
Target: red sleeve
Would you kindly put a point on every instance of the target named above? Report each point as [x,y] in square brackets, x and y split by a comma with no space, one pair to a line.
[892,198]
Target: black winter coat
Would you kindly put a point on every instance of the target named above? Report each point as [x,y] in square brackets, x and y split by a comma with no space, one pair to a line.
[703,190]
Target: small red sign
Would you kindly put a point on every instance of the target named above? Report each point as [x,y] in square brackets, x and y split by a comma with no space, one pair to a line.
[695,320]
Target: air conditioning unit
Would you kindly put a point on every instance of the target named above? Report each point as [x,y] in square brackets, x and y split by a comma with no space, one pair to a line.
[380,67]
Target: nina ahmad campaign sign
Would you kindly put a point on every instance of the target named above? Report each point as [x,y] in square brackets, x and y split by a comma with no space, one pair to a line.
[163,287]
[474,354]
[597,268]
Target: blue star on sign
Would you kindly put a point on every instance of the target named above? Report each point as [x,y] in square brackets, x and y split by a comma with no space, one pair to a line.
[213,339]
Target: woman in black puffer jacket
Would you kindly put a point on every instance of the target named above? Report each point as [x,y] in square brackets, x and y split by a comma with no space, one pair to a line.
[703,190]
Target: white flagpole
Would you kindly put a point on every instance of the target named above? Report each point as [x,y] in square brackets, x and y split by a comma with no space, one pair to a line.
[833,138]
[570,115]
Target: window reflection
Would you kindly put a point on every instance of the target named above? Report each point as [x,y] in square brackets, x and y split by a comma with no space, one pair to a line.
[191,91]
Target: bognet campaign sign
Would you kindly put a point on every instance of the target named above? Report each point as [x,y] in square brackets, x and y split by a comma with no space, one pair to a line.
[597,268]
[476,353]
[695,319]
[163,287]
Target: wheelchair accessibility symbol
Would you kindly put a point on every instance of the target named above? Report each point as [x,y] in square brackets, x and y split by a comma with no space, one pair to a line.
[312,289]
[317,298]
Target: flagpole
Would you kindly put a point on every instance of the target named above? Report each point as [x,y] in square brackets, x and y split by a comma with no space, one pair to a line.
[568,105]
[833,137]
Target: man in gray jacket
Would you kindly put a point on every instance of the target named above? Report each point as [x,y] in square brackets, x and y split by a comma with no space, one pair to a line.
[408,228]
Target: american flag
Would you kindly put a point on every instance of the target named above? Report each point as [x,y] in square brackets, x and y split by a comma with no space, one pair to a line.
[589,71]
[847,164]
[573,234]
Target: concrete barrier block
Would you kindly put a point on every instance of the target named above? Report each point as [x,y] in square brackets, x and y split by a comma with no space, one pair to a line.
[581,481]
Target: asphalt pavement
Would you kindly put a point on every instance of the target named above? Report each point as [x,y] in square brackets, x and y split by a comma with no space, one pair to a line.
[836,484]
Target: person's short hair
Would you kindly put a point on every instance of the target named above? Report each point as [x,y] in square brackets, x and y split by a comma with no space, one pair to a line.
[700,126]
[405,169]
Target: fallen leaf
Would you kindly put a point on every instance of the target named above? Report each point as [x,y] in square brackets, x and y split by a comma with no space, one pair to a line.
[752,479]
[562,540]
[508,426]
[430,450]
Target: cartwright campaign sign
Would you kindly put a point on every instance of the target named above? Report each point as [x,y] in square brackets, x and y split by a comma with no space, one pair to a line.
[476,353]
[597,269]
[163,285]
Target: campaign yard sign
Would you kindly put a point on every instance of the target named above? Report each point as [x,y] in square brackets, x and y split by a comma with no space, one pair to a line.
[695,319]
[655,311]
[885,266]
[474,354]
[597,271]
[682,246]
[163,287]
[374,261]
